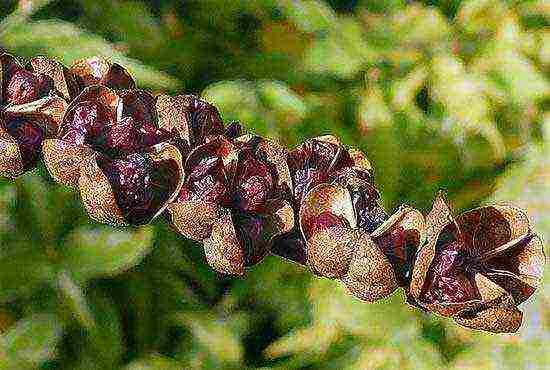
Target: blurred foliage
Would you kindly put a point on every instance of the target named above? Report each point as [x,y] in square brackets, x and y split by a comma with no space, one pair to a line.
[440,94]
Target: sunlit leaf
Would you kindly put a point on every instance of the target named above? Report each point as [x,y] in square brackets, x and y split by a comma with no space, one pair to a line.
[372,111]
[104,251]
[67,42]
[467,107]
[309,15]
[31,341]
[213,334]
[278,98]
[343,53]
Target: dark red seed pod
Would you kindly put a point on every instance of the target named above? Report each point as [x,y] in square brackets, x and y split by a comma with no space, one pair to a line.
[32,104]
[238,190]
[100,71]
[124,158]
[478,267]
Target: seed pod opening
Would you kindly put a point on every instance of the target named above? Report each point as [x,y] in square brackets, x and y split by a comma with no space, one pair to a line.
[399,238]
[134,190]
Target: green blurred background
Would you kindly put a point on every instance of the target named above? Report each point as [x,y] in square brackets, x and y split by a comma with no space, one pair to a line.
[443,94]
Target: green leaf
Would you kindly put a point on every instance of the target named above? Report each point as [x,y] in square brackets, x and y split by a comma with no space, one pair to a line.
[23,269]
[372,111]
[104,251]
[236,100]
[309,15]
[154,362]
[66,42]
[287,106]
[30,342]
[264,106]
[468,110]
[213,334]
[343,53]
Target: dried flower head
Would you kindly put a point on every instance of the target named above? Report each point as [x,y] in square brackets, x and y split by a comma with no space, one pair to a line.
[100,71]
[478,267]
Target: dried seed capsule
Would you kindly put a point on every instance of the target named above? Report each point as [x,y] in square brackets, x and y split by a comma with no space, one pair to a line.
[119,152]
[132,190]
[238,190]
[194,118]
[31,109]
[478,267]
[336,248]
[100,71]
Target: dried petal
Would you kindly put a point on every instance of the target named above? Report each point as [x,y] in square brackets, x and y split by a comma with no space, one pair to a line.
[493,319]
[326,205]
[63,159]
[97,193]
[46,112]
[62,79]
[399,238]
[28,135]
[143,185]
[439,217]
[370,276]
[330,251]
[193,218]
[223,250]
[11,163]
[100,71]
[193,118]
[312,163]
[8,67]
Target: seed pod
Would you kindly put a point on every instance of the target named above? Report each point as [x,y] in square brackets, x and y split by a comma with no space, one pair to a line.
[237,191]
[115,148]
[478,267]
[193,118]
[100,71]
[32,104]
[325,160]
[337,248]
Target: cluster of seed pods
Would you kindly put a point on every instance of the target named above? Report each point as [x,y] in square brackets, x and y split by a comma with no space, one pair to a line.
[134,157]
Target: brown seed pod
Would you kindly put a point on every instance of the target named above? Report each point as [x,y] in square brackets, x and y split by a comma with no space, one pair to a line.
[483,263]
[32,105]
[336,248]
[194,118]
